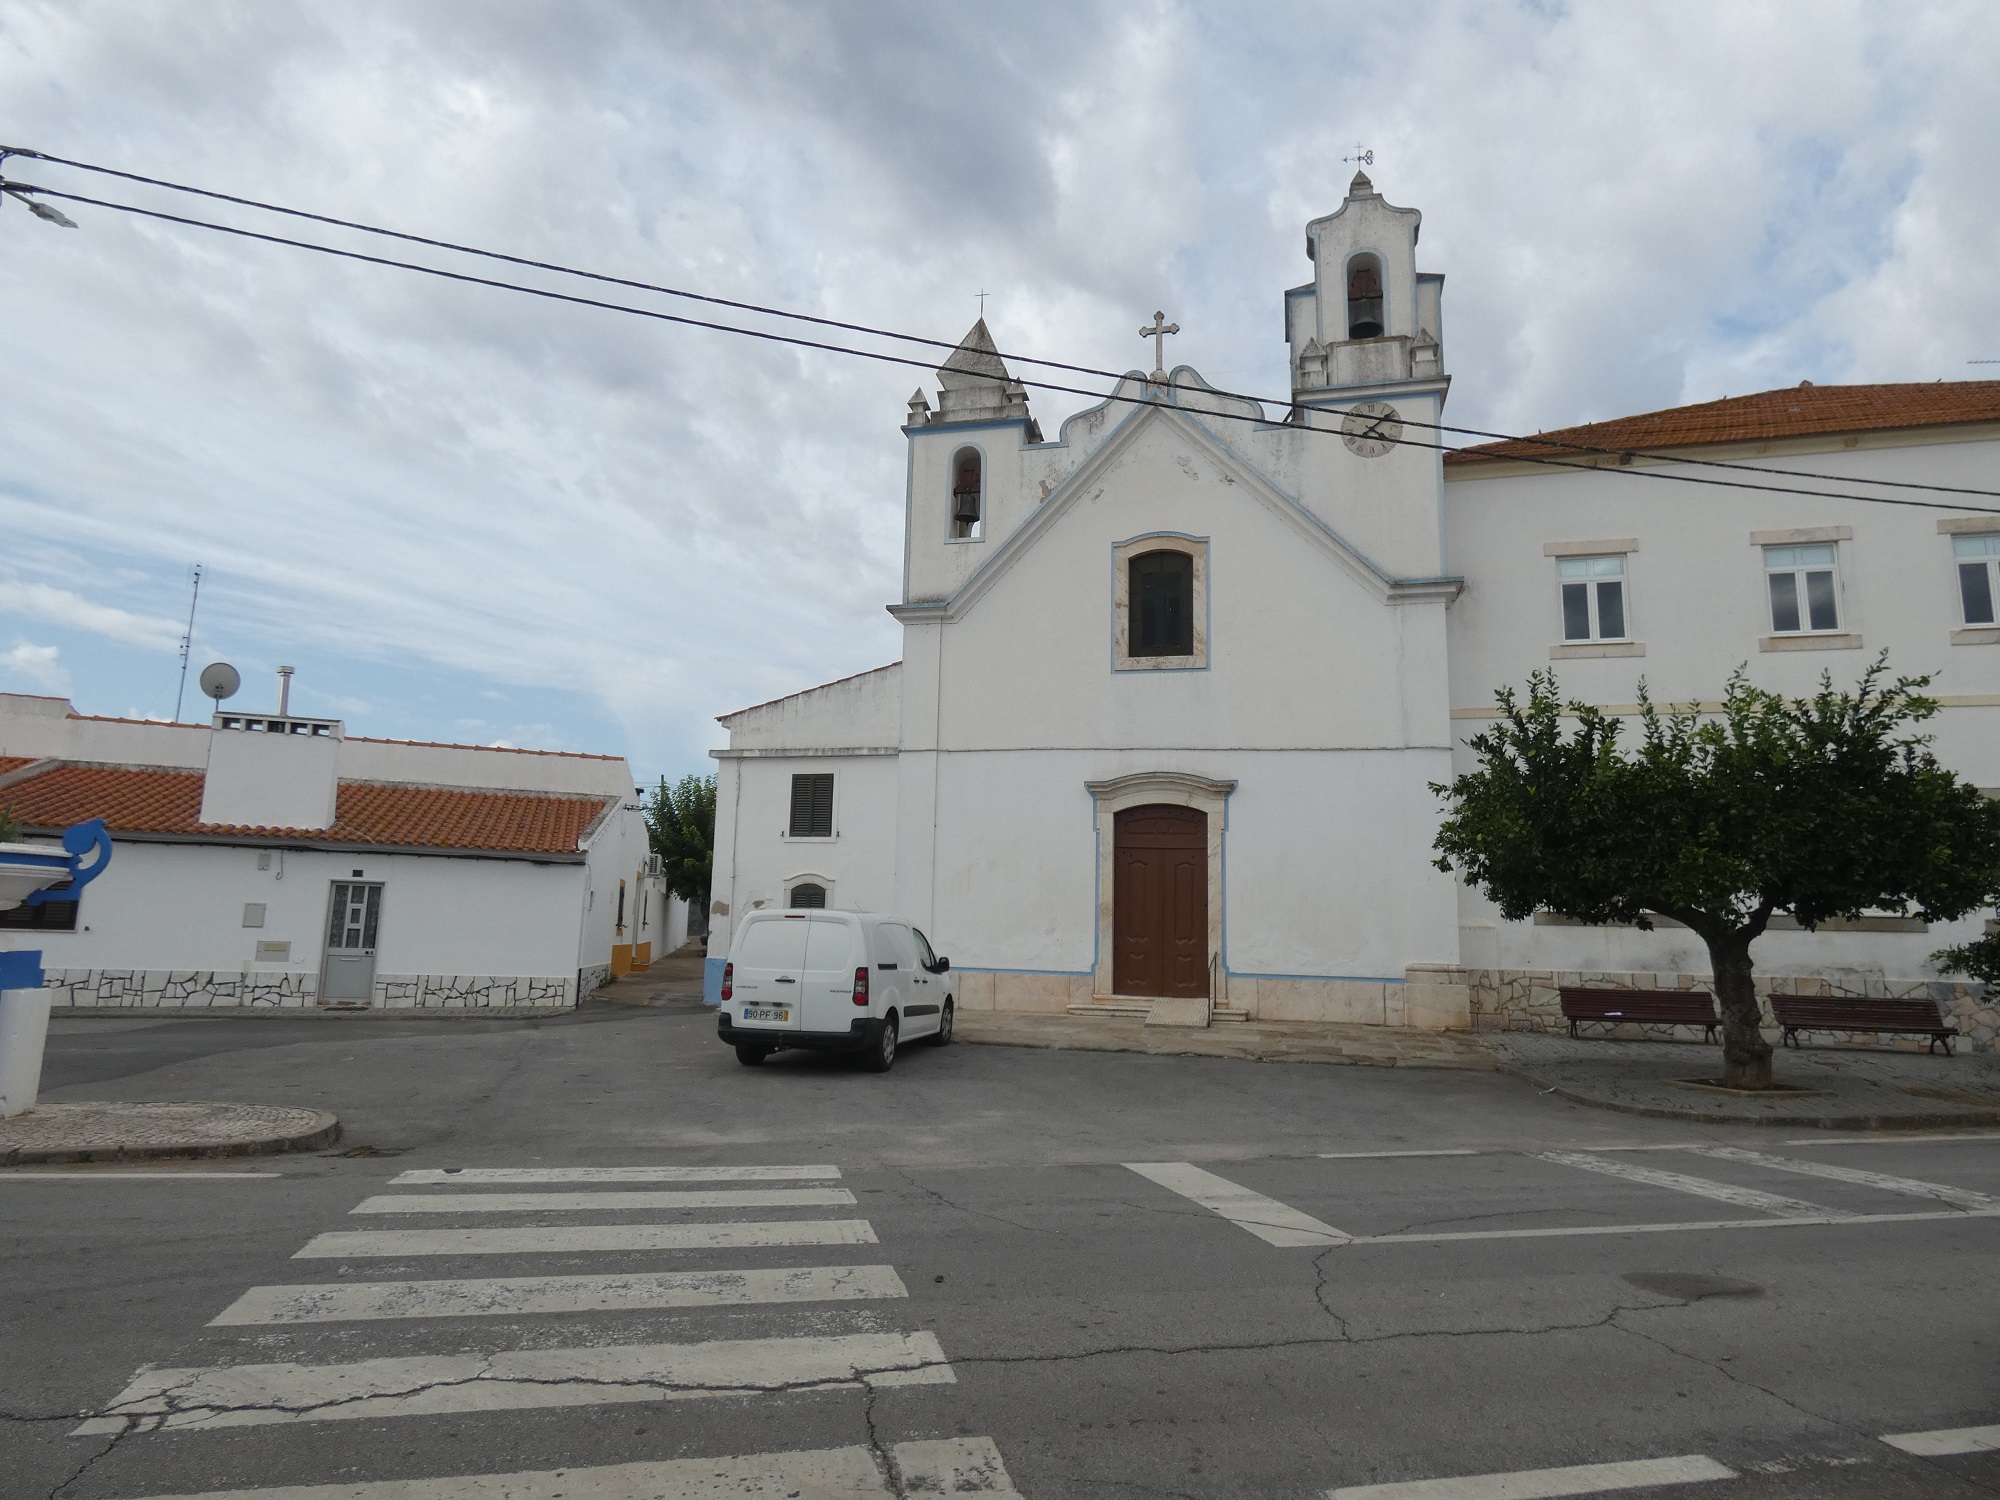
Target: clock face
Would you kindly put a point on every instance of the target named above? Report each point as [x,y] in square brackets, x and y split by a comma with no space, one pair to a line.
[1372,428]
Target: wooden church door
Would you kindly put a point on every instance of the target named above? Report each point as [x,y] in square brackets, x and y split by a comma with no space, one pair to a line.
[1159,902]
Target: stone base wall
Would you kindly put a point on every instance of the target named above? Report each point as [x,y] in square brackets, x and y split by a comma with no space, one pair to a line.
[1526,1000]
[1428,998]
[589,981]
[222,989]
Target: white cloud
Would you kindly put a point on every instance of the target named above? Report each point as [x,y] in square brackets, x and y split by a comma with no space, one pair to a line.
[1636,204]
[41,601]
[39,666]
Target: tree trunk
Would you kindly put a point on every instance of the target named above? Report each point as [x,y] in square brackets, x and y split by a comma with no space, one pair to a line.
[1746,1056]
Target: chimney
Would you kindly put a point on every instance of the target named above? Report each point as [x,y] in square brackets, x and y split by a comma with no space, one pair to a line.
[272,770]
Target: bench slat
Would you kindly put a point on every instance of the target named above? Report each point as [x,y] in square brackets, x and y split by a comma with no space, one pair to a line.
[1796,1013]
[1639,1007]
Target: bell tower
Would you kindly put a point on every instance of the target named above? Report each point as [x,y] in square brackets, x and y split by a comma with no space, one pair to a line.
[1369,320]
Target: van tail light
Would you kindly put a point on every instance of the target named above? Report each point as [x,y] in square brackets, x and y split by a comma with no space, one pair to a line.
[861,985]
[728,980]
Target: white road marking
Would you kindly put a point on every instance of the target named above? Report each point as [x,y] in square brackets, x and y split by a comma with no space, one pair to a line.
[508,1296]
[429,1175]
[1375,1155]
[954,1466]
[1565,1231]
[1882,1140]
[1946,1441]
[1910,1186]
[1267,1218]
[542,1203]
[1701,1187]
[1540,1484]
[514,1380]
[31,1175]
[583,1239]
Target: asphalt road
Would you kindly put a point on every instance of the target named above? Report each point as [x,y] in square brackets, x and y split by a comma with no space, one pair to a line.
[1012,1286]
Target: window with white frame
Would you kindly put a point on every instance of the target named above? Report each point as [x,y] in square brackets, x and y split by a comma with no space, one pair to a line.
[1978,560]
[1593,597]
[1804,586]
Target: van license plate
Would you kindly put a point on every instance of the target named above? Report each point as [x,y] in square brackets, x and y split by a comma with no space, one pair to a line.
[765,1013]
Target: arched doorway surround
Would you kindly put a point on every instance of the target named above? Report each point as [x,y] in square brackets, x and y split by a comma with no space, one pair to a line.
[1162,790]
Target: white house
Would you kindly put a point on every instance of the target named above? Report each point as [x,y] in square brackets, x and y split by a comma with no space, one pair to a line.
[274,860]
[1176,685]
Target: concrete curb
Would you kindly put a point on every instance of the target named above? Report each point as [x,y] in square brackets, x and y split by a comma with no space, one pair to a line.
[317,1131]
[1237,1042]
[1934,1121]
[280,1012]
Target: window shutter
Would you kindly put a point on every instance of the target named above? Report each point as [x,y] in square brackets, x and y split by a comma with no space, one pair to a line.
[812,806]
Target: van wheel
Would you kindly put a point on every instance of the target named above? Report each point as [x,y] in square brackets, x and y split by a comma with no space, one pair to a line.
[942,1036]
[882,1056]
[750,1055]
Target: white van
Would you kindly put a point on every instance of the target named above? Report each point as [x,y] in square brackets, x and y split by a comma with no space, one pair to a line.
[832,981]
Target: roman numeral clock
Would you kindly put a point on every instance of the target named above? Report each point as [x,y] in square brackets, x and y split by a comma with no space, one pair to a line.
[1372,428]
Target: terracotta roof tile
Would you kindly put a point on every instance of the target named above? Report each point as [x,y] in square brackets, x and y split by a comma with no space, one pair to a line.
[407,817]
[14,762]
[1794,411]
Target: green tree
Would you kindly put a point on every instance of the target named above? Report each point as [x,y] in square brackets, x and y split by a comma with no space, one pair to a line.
[1978,959]
[1820,807]
[680,819]
[10,826]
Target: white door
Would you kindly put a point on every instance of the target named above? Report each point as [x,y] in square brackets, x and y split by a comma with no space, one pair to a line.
[355,915]
[832,956]
[920,1006]
[767,964]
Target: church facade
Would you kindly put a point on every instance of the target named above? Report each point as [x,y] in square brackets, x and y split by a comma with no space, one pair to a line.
[1177,683]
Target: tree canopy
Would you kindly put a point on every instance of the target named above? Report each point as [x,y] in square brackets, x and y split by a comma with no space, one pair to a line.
[1820,807]
[680,819]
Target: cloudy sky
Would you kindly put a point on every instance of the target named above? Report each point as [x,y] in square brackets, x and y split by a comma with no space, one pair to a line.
[467,515]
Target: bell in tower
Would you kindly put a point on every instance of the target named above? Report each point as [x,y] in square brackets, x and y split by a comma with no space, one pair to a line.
[1369,319]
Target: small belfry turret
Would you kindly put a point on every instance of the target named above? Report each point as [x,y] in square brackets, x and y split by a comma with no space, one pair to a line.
[1368,320]
[974,385]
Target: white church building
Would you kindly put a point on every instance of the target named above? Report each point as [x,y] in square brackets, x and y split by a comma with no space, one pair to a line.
[1176,685]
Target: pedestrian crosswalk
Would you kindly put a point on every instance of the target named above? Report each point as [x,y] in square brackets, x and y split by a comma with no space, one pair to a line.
[543,1370]
[1286,1225]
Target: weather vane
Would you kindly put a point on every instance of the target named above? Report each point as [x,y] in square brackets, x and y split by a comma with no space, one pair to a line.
[1364,156]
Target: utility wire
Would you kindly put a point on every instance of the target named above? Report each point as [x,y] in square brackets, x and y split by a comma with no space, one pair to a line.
[768,336]
[1538,440]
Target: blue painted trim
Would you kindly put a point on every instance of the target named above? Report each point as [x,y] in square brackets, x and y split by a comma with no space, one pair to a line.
[1059,973]
[1339,978]
[78,840]
[21,970]
[711,980]
[1020,422]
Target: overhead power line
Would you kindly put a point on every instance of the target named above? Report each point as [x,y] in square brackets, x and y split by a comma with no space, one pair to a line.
[1539,439]
[877,356]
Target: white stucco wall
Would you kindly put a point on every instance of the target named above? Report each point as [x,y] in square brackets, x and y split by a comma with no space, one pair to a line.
[1697,601]
[180,906]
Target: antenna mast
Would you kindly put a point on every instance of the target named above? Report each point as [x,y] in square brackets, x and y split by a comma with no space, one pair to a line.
[187,641]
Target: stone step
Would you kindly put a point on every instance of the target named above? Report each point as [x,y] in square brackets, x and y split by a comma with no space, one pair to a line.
[1228,1012]
[1122,1009]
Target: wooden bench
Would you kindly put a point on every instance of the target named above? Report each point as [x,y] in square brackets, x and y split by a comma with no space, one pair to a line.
[1641,1008]
[1796,1013]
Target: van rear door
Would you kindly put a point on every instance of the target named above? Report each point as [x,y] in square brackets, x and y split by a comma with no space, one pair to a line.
[770,960]
[832,955]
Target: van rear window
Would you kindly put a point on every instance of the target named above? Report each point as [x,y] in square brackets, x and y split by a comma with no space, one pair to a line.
[778,944]
[832,948]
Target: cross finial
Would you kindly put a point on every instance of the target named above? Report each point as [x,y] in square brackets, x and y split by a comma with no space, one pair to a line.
[982,303]
[1158,334]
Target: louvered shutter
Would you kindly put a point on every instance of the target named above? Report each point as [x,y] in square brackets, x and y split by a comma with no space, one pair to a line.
[812,806]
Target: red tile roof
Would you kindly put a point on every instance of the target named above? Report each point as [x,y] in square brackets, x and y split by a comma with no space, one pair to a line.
[14,762]
[403,817]
[1795,411]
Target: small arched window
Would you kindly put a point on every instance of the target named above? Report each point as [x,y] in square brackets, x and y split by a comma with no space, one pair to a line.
[966,493]
[1364,298]
[807,895]
[1162,603]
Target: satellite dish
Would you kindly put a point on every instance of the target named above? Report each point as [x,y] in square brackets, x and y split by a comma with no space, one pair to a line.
[220,680]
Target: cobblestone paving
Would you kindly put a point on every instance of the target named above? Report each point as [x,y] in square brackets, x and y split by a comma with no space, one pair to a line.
[113,1131]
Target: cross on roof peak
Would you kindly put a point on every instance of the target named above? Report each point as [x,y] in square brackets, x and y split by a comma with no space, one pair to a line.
[1158,334]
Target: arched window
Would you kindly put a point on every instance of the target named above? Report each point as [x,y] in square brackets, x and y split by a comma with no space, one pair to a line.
[1364,298]
[1162,603]
[965,493]
[807,895]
